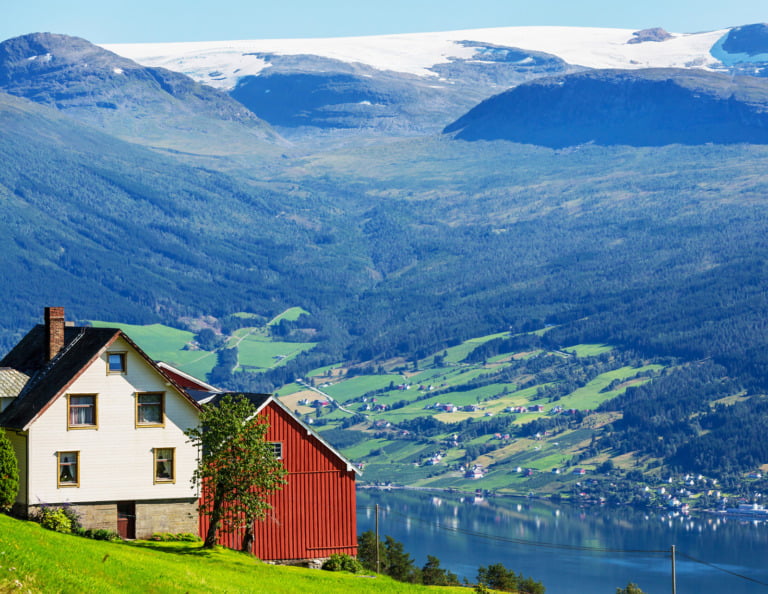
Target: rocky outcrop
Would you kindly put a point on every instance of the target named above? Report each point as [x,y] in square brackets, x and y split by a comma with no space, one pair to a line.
[653,34]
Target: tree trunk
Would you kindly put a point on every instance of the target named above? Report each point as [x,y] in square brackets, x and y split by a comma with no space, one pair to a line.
[248,537]
[213,527]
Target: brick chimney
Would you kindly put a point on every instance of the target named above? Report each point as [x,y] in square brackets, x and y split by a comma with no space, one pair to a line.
[54,330]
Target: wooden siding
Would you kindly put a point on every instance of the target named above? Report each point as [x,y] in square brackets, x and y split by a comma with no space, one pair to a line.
[313,515]
[116,459]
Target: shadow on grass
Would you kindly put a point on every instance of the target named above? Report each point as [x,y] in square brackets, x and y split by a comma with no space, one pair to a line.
[175,548]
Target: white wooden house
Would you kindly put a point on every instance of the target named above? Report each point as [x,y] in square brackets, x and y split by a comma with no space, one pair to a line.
[96,424]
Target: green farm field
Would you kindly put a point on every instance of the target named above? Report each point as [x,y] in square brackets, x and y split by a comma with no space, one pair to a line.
[164,343]
[256,350]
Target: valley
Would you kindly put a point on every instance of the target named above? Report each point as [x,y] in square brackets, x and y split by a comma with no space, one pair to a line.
[505,414]
[514,260]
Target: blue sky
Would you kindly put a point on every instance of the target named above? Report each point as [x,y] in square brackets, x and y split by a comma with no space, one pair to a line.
[121,21]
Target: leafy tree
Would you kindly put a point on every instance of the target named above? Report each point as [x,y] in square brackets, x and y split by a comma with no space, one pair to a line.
[527,585]
[237,468]
[208,339]
[366,550]
[630,589]
[9,473]
[497,577]
[434,575]
[399,563]
[393,560]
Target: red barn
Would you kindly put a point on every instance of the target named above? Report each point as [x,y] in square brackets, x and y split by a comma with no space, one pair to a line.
[313,515]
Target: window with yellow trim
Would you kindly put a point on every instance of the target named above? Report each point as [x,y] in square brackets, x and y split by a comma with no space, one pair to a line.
[115,362]
[150,409]
[69,469]
[165,469]
[81,411]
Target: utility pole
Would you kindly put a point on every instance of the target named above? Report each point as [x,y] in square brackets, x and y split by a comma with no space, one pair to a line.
[378,567]
[674,572]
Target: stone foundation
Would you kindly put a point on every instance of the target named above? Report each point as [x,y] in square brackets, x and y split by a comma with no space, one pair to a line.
[165,515]
[171,515]
[308,563]
[96,516]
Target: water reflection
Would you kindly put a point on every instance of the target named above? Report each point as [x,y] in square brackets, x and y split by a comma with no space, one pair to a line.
[573,549]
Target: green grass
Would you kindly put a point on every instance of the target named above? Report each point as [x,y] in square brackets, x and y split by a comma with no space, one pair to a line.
[361,450]
[288,389]
[588,350]
[322,370]
[291,315]
[256,350]
[590,396]
[164,343]
[457,353]
[33,559]
[155,338]
[355,386]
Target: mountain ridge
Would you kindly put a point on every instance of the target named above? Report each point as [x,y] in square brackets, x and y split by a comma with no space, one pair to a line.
[121,97]
[651,107]
[401,83]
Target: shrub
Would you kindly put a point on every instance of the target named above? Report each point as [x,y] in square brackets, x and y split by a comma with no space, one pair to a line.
[103,534]
[54,518]
[168,537]
[9,473]
[96,534]
[341,562]
[74,517]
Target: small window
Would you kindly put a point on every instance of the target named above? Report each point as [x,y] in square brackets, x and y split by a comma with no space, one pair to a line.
[149,409]
[277,449]
[115,362]
[81,411]
[164,465]
[69,469]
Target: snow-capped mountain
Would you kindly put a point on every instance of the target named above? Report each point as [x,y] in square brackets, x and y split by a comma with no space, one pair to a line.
[123,98]
[418,83]
[223,64]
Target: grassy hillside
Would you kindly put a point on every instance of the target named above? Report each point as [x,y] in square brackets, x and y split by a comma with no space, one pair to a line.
[257,350]
[33,559]
[532,416]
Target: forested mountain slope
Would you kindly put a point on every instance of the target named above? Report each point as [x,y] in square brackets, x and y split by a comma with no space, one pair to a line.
[102,225]
[147,105]
[624,107]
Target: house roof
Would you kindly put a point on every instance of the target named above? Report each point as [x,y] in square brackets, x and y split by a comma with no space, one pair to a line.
[48,379]
[11,382]
[261,401]
[189,382]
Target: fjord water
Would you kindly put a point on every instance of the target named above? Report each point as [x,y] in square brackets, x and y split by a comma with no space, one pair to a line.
[571,549]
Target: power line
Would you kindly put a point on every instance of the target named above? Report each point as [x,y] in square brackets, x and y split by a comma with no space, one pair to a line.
[582,549]
[733,573]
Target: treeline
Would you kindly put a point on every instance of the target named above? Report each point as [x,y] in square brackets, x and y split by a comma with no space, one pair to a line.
[734,441]
[389,557]
[673,418]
